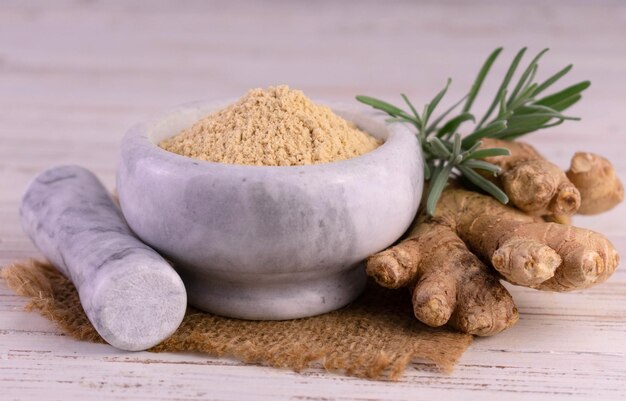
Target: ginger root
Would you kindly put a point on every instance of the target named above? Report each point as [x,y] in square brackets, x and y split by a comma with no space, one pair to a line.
[595,178]
[533,184]
[453,260]
[448,282]
[439,260]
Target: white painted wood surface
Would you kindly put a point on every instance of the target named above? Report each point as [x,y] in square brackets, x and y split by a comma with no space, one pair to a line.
[74,75]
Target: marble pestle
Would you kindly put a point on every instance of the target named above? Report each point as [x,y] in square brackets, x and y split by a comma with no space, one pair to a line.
[131,295]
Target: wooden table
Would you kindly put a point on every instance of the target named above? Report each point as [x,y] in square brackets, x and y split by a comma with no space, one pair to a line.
[74,75]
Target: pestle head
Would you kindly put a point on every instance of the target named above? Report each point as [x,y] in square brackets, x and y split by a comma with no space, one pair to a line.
[139,307]
[131,294]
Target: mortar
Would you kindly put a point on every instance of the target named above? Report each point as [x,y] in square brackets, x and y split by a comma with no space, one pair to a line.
[261,242]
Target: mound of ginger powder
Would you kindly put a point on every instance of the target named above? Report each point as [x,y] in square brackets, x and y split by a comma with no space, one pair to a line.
[276,126]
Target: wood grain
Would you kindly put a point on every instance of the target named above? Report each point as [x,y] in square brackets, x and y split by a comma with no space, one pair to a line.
[74,75]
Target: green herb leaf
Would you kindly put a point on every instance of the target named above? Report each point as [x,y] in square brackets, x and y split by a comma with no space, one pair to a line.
[525,75]
[521,129]
[426,171]
[408,102]
[564,94]
[481,165]
[484,184]
[384,106]
[523,117]
[478,82]
[438,183]
[433,104]
[533,108]
[548,82]
[447,153]
[439,119]
[453,124]
[456,145]
[503,86]
[566,103]
[438,148]
[489,152]
[489,131]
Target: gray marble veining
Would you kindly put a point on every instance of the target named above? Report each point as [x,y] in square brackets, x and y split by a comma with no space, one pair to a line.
[130,294]
[260,242]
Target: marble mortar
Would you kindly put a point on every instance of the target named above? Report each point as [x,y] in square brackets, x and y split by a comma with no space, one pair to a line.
[259,242]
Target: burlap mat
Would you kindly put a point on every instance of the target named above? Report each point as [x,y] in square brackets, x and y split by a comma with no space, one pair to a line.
[374,337]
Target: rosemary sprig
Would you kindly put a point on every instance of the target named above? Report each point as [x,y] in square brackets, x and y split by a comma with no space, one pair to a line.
[517,112]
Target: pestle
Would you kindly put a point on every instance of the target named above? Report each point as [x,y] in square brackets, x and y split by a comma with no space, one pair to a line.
[131,295]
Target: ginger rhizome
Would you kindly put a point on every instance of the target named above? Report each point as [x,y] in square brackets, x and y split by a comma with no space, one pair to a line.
[538,187]
[449,283]
[595,178]
[452,261]
[442,260]
[533,184]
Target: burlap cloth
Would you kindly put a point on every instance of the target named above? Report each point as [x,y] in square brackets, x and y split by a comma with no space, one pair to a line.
[374,337]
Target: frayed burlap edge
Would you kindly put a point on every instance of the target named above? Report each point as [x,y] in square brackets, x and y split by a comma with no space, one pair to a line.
[375,337]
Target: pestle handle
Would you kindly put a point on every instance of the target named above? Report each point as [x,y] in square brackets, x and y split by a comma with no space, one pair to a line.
[131,295]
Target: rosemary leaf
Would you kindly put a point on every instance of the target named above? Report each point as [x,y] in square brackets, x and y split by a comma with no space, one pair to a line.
[448,154]
[433,104]
[438,147]
[566,103]
[456,146]
[384,106]
[548,82]
[490,152]
[482,165]
[472,149]
[438,183]
[533,108]
[484,184]
[503,86]
[524,97]
[453,124]
[522,129]
[523,117]
[484,70]
[434,124]
[408,102]
[426,171]
[564,94]
[531,78]
[489,131]
[525,75]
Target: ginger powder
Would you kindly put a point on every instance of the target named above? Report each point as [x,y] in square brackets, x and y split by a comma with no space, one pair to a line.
[276,126]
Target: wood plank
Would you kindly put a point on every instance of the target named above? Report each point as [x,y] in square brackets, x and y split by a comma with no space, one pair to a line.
[75,75]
